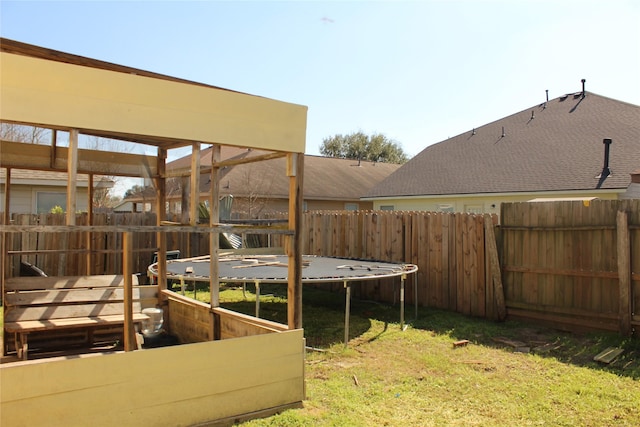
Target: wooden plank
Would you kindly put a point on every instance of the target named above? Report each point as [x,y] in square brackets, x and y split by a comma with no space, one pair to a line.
[468,260]
[66,296]
[449,279]
[480,277]
[69,323]
[434,253]
[608,355]
[559,272]
[495,272]
[624,272]
[66,282]
[48,312]
[89,161]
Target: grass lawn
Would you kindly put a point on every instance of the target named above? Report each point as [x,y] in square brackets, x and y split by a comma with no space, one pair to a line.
[509,374]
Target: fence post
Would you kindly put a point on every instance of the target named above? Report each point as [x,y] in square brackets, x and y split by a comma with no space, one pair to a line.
[624,272]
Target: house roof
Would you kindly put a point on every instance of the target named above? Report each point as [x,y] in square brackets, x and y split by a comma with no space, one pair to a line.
[554,146]
[325,178]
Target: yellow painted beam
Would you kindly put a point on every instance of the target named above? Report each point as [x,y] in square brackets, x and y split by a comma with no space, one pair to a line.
[97,101]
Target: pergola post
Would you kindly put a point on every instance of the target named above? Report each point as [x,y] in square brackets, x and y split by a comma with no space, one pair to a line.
[127,271]
[89,222]
[161,238]
[214,219]
[214,240]
[295,169]
[72,176]
[194,193]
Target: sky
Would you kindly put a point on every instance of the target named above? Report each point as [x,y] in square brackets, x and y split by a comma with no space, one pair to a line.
[418,72]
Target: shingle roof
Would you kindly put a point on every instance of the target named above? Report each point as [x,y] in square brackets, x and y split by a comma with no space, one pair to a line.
[325,178]
[46,177]
[553,146]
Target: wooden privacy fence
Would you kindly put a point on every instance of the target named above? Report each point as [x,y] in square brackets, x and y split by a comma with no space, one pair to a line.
[570,264]
[573,264]
[449,249]
[65,253]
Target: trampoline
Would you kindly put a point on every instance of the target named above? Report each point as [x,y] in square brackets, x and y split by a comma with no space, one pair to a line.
[258,269]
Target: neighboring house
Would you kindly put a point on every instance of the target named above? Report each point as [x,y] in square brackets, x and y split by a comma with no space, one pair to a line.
[262,188]
[38,192]
[553,150]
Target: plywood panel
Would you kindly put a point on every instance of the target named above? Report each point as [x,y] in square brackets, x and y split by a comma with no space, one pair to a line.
[122,389]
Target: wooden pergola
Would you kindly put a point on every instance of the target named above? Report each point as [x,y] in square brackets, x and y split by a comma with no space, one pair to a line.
[82,96]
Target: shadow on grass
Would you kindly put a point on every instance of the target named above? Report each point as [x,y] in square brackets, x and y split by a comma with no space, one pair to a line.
[577,349]
[323,321]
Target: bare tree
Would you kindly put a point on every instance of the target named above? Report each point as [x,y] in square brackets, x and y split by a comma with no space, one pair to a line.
[24,133]
[256,189]
[102,197]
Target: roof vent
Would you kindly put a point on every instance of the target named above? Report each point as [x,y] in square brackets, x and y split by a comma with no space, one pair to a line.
[503,134]
[584,94]
[606,171]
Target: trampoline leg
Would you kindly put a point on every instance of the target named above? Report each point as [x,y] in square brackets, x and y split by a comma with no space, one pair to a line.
[415,292]
[347,310]
[402,302]
[257,299]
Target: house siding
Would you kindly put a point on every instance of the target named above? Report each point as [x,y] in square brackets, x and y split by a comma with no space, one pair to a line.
[489,203]
[23,197]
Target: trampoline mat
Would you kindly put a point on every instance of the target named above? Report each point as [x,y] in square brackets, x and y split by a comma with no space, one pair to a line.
[274,268]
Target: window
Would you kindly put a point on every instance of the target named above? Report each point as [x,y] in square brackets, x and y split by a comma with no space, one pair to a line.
[351,206]
[445,208]
[386,207]
[46,201]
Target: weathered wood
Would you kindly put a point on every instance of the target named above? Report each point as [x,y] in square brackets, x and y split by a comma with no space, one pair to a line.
[624,272]
[608,355]
[52,303]
[496,276]
[22,326]
[214,217]
[295,170]
[89,161]
[72,174]
[67,282]
[117,228]
[127,260]
[68,296]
